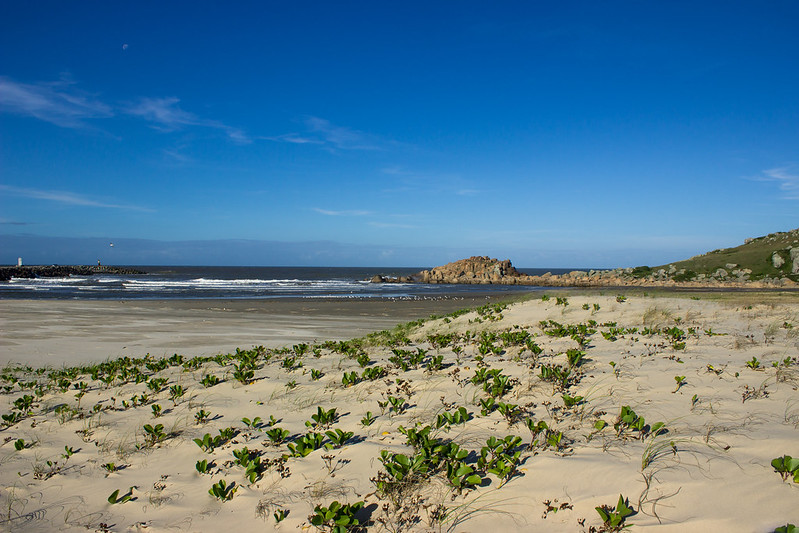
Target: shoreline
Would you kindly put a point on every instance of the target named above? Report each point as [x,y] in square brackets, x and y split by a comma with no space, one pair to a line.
[57,332]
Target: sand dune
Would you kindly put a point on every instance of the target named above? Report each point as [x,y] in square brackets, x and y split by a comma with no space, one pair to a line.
[721,377]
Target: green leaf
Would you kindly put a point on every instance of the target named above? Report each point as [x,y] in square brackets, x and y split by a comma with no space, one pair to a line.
[622,508]
[785,464]
[473,480]
[464,470]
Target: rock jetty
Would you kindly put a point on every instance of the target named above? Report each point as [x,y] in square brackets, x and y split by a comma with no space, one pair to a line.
[60,271]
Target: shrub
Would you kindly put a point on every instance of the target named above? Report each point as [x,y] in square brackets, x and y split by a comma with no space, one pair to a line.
[787,466]
[306,444]
[322,418]
[337,518]
[613,518]
[277,435]
[209,380]
[222,491]
[337,438]
[154,434]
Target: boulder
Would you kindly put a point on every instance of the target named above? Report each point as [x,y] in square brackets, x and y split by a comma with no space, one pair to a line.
[777,260]
[477,269]
[795,260]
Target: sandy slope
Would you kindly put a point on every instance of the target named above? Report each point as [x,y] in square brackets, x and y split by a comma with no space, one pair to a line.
[710,471]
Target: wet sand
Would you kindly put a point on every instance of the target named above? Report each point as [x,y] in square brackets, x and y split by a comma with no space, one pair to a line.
[69,332]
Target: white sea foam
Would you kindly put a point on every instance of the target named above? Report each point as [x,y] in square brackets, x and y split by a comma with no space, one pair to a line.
[240,284]
[45,284]
[31,286]
[47,281]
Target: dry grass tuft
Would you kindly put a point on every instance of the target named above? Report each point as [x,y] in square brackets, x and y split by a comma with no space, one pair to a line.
[657,317]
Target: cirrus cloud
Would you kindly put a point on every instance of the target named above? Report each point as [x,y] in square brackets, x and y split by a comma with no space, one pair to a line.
[60,103]
[166,115]
[344,213]
[788,181]
[64,197]
[322,132]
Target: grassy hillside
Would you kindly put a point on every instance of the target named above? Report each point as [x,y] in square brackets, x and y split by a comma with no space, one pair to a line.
[763,257]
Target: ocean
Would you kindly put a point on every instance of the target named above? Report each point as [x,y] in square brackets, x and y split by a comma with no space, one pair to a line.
[182,282]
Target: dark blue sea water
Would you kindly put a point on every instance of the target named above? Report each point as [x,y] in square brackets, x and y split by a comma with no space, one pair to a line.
[160,283]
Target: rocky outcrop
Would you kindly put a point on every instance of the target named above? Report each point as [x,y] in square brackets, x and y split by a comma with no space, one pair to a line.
[771,261]
[60,271]
[485,270]
[474,270]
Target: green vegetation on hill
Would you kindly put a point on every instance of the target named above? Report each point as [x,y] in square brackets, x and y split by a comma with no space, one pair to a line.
[771,256]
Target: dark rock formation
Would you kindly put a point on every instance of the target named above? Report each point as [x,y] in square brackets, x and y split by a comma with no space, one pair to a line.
[60,271]
[475,270]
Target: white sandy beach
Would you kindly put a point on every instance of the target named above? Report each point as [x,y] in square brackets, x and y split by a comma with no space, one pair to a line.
[708,470]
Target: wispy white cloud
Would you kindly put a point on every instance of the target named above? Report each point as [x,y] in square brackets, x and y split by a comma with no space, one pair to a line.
[345,213]
[339,136]
[294,138]
[177,157]
[407,181]
[787,180]
[322,132]
[60,103]
[392,225]
[395,171]
[166,115]
[64,197]
[164,112]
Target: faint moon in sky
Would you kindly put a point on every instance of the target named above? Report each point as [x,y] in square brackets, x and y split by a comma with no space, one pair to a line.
[125,46]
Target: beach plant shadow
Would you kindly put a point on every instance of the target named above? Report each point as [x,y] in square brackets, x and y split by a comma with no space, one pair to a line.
[357,439]
[365,513]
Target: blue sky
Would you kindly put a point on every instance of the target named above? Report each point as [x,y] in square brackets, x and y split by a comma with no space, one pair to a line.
[555,134]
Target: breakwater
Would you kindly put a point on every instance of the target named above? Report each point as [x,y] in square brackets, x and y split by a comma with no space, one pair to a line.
[60,271]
